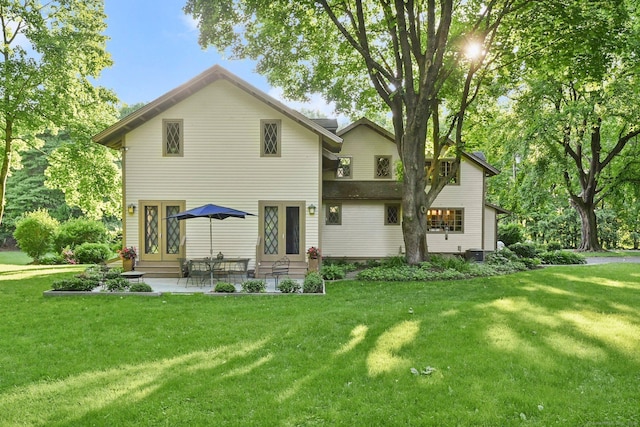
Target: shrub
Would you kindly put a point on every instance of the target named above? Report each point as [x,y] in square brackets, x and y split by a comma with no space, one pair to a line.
[510,233]
[78,231]
[449,262]
[68,256]
[554,246]
[51,259]
[112,273]
[225,287]
[254,286]
[75,284]
[501,257]
[562,258]
[524,250]
[118,284]
[394,261]
[312,283]
[288,286]
[332,272]
[140,287]
[92,253]
[34,233]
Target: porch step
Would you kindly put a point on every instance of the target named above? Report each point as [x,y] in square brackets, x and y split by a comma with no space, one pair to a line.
[159,269]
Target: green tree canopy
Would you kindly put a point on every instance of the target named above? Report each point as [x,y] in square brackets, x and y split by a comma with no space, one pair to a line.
[49,54]
[405,57]
[576,98]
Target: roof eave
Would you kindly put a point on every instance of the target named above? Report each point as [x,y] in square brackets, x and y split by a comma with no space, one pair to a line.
[112,136]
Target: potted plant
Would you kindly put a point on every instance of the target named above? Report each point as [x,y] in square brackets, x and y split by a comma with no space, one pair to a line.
[128,256]
[313,254]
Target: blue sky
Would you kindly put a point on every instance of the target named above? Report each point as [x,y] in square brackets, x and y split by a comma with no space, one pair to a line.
[154,46]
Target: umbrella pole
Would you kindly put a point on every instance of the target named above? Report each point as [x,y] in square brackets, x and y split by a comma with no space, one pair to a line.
[211,252]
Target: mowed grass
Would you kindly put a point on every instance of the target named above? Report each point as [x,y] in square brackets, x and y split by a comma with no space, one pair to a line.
[556,346]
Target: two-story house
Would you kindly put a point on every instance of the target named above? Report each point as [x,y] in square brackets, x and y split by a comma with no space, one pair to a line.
[218,139]
[362,201]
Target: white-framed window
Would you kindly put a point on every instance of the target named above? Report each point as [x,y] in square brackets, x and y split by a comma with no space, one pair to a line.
[445,171]
[440,220]
[392,214]
[172,137]
[270,138]
[344,168]
[383,167]
[333,215]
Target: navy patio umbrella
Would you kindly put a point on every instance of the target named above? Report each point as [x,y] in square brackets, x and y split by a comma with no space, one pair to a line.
[212,212]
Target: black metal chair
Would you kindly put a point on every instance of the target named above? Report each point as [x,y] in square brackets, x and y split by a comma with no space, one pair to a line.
[279,268]
[198,272]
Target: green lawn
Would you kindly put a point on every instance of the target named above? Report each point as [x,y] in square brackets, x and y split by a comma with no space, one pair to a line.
[556,346]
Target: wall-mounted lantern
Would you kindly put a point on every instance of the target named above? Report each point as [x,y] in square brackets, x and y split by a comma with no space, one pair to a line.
[131,209]
[312,209]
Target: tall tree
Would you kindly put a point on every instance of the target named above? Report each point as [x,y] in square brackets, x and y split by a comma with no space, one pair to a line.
[49,52]
[403,56]
[578,99]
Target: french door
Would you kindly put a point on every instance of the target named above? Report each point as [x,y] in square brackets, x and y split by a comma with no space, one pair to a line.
[161,237]
[282,230]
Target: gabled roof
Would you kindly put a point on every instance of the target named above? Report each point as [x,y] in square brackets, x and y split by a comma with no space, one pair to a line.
[498,209]
[366,122]
[112,136]
[477,158]
[482,162]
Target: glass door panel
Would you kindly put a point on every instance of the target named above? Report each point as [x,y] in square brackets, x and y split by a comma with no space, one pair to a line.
[282,230]
[162,237]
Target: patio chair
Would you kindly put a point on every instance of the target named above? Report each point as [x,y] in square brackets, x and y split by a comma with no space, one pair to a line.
[183,269]
[198,272]
[238,269]
[279,268]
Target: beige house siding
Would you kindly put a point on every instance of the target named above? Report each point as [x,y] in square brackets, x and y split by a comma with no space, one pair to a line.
[363,145]
[468,195]
[490,232]
[221,164]
[363,233]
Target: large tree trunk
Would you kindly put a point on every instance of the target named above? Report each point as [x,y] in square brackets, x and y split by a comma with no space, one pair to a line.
[414,216]
[6,163]
[589,230]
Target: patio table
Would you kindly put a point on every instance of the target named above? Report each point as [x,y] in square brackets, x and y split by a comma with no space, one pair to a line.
[224,268]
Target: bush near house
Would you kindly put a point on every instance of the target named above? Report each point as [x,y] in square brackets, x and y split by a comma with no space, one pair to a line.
[254,286]
[78,283]
[92,253]
[312,283]
[288,286]
[510,233]
[524,256]
[140,287]
[225,287]
[77,231]
[35,232]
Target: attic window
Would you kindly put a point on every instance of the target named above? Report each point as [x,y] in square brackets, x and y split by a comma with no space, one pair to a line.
[383,167]
[445,171]
[344,167]
[334,214]
[172,138]
[270,138]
